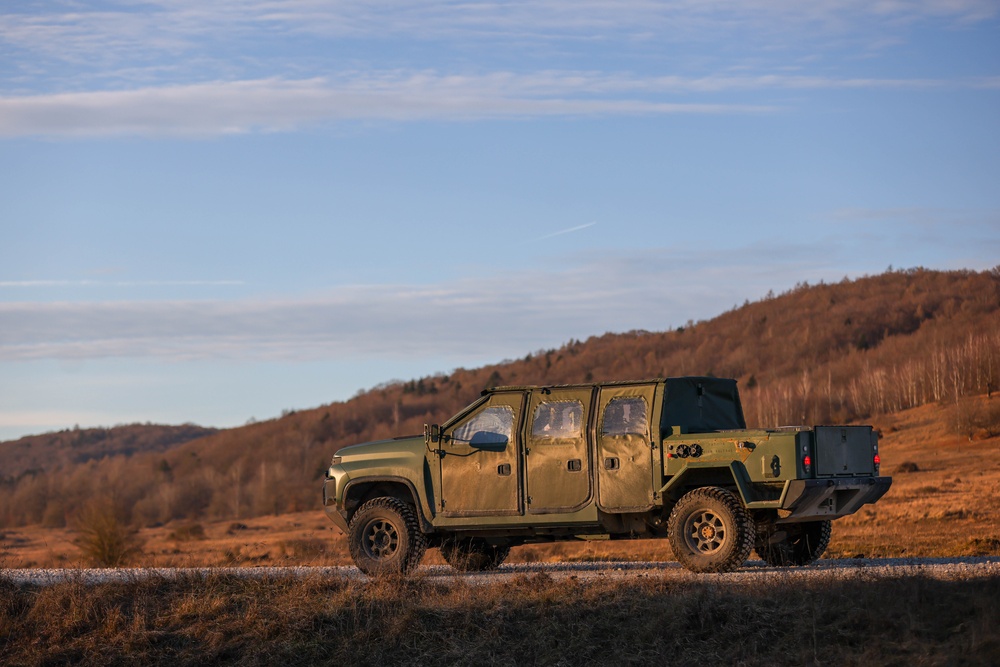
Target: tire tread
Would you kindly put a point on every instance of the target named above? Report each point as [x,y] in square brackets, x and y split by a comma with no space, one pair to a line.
[741,518]
[416,539]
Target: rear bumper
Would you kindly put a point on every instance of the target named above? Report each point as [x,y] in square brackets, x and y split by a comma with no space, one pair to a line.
[818,499]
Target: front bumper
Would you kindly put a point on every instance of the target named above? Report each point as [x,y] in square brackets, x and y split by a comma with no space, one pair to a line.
[831,498]
[334,509]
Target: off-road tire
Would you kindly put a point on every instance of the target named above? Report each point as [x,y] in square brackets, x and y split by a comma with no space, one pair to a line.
[803,542]
[473,554]
[710,531]
[384,537]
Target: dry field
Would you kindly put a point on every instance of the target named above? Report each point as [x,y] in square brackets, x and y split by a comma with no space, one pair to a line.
[522,620]
[948,506]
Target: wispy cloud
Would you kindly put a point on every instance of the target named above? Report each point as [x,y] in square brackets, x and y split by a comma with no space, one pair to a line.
[124,31]
[75,47]
[595,293]
[121,283]
[273,105]
[587,294]
[276,105]
[190,68]
[43,420]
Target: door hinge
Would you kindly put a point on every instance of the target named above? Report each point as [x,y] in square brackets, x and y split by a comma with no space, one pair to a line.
[529,500]
[442,503]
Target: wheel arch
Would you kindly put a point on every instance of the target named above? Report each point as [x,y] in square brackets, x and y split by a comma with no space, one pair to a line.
[732,477]
[359,491]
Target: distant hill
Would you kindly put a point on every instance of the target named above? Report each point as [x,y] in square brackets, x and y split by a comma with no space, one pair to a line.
[62,449]
[823,353]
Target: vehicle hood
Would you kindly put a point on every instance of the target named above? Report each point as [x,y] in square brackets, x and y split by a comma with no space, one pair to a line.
[380,449]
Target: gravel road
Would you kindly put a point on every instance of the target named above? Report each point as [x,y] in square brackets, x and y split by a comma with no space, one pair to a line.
[752,571]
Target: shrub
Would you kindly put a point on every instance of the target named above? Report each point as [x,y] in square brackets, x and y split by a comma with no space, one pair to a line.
[105,540]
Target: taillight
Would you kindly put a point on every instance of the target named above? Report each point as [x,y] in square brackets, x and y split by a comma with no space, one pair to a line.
[876,459]
[806,459]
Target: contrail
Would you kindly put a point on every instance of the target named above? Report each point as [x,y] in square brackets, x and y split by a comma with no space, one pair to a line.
[567,231]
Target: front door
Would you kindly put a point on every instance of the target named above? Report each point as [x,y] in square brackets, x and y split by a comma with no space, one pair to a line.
[479,464]
[557,455]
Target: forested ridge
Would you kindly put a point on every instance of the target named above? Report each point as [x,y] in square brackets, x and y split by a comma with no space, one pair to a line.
[823,353]
[34,454]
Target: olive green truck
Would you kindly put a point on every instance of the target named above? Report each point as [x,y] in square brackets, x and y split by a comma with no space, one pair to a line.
[666,458]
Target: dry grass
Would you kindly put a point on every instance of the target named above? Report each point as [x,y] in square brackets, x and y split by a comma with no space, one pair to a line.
[530,620]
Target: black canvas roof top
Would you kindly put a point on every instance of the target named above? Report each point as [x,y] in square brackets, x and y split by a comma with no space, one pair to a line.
[702,404]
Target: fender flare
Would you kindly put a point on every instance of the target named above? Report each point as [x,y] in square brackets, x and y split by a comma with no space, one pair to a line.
[735,471]
[425,524]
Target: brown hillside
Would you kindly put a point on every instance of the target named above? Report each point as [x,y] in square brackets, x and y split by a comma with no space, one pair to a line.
[62,449]
[823,353]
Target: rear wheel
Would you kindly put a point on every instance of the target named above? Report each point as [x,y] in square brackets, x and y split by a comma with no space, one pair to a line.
[792,543]
[384,537]
[710,531]
[473,554]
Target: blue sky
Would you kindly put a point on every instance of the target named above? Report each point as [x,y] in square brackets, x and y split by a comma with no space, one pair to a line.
[217,211]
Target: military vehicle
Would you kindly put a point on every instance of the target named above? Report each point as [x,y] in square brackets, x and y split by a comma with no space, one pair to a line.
[669,458]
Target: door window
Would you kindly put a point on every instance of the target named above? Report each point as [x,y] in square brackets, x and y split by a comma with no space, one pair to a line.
[625,415]
[492,428]
[558,419]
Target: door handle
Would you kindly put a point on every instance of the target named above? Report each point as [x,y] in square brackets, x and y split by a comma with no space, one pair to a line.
[503,469]
[574,465]
[612,463]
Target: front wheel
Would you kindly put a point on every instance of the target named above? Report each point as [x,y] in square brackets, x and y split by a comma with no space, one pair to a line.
[792,543]
[473,554]
[385,538]
[710,531]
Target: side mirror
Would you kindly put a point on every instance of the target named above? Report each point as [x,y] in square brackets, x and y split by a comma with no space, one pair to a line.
[432,433]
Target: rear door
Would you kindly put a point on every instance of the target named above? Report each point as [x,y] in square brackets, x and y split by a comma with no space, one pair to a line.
[558,453]
[844,451]
[624,448]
